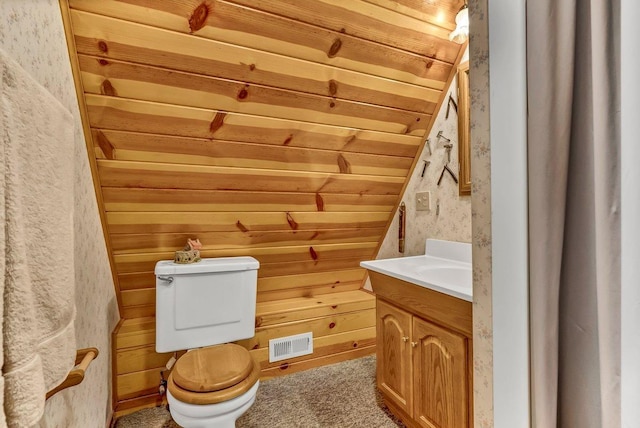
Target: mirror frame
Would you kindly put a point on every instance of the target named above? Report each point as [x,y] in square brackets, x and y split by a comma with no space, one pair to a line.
[464,147]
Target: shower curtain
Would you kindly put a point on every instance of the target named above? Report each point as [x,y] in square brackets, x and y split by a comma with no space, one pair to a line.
[573,60]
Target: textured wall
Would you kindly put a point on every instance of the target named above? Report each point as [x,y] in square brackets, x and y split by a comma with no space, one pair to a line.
[453,222]
[31,33]
[481,212]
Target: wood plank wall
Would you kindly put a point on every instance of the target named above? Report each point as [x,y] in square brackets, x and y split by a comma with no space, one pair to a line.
[281,129]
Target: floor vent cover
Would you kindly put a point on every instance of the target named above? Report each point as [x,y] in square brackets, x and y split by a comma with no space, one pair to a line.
[290,346]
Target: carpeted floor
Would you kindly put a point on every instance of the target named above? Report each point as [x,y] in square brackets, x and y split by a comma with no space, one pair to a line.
[340,395]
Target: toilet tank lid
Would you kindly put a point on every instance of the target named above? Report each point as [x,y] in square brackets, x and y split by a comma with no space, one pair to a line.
[219,264]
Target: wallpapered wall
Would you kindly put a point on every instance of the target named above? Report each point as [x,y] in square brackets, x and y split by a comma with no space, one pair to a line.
[453,220]
[31,32]
[481,212]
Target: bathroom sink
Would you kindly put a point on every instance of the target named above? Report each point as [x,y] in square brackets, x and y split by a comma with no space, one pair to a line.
[445,267]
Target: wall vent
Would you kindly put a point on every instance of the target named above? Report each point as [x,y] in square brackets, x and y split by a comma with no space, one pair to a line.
[290,346]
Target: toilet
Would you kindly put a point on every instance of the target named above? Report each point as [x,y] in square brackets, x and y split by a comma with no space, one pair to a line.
[201,307]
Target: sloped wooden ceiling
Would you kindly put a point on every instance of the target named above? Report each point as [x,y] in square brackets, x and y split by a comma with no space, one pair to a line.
[280,129]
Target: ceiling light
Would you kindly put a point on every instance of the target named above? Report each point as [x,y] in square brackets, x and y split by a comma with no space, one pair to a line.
[461,33]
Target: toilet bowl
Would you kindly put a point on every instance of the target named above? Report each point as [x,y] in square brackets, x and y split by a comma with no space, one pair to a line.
[203,306]
[212,387]
[221,415]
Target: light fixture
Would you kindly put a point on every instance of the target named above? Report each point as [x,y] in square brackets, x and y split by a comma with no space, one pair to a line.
[461,33]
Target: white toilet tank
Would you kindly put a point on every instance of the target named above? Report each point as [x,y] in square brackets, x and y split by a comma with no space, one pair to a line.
[205,303]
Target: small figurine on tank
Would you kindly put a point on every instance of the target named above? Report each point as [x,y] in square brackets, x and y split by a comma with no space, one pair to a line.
[190,253]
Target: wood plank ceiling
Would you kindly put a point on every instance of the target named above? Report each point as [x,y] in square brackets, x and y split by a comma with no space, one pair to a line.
[280,129]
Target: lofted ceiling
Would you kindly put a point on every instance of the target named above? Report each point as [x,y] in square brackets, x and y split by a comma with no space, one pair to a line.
[281,129]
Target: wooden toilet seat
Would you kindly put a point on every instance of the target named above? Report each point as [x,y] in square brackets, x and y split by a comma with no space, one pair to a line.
[213,375]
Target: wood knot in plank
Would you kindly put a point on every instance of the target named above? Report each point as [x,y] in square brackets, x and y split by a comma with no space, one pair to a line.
[199,17]
[332,325]
[256,346]
[333,87]
[313,253]
[243,94]
[288,140]
[102,45]
[355,344]
[292,222]
[429,64]
[217,122]
[258,321]
[107,89]
[241,226]
[105,145]
[252,67]
[284,366]
[103,62]
[335,47]
[343,164]
[413,125]
[332,103]
[319,203]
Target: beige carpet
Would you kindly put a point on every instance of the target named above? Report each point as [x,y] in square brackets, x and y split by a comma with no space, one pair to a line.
[340,395]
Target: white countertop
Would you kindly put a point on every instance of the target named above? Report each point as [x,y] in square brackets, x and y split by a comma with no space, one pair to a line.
[450,275]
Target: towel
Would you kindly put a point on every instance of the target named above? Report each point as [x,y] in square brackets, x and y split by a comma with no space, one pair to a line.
[38,310]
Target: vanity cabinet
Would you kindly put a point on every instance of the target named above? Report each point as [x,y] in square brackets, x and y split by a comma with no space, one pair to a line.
[424,354]
[440,379]
[393,369]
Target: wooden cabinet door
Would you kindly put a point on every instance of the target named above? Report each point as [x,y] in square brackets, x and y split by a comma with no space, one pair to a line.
[393,373]
[440,376]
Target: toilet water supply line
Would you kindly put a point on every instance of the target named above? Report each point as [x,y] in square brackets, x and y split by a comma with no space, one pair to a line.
[162,388]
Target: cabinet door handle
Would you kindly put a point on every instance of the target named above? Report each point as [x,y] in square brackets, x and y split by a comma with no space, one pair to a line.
[405,338]
[414,344]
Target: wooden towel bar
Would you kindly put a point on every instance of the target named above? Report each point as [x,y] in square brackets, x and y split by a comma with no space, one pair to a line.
[75,376]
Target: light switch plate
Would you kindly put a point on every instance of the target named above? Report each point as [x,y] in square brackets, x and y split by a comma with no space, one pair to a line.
[423,201]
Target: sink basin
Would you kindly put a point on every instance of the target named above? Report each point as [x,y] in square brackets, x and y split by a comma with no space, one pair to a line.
[445,267]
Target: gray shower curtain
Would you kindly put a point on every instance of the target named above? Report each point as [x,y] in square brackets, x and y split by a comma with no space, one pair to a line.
[573,76]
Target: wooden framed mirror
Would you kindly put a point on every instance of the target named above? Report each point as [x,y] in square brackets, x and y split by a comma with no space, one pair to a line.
[464,148]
